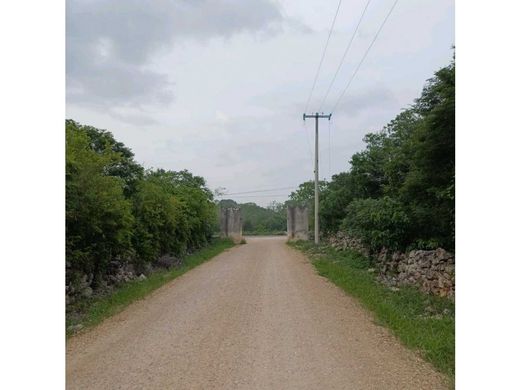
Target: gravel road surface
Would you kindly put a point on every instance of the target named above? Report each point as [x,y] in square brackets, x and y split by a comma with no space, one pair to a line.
[255,317]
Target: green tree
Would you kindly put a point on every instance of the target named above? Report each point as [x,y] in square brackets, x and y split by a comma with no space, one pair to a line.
[160,227]
[334,200]
[194,198]
[378,222]
[408,166]
[99,220]
[304,196]
[429,187]
[117,211]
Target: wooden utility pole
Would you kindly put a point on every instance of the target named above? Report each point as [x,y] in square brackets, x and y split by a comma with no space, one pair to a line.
[316,116]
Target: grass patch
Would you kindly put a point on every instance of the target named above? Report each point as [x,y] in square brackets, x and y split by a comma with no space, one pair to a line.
[92,311]
[422,322]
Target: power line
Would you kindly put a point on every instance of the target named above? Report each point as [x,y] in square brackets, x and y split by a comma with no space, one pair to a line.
[344,55]
[322,56]
[364,56]
[316,117]
[263,190]
[260,196]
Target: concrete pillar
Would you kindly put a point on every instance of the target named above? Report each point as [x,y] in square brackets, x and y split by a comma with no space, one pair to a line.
[297,223]
[231,224]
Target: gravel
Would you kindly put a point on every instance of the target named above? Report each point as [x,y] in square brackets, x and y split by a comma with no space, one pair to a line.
[255,317]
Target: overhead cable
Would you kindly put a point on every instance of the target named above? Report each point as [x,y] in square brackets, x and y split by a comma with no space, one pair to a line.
[364,56]
[344,56]
[322,56]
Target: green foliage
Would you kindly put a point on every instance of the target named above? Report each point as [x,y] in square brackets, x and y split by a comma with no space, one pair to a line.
[259,220]
[101,141]
[379,222]
[408,167]
[304,196]
[158,217]
[99,218]
[117,211]
[195,201]
[422,322]
[334,200]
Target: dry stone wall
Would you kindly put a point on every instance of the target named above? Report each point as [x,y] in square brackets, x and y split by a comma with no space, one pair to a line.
[432,271]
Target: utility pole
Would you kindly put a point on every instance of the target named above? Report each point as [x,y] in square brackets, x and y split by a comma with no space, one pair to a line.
[316,116]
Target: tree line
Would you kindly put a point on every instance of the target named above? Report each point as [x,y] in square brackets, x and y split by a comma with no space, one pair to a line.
[118,211]
[399,192]
[260,220]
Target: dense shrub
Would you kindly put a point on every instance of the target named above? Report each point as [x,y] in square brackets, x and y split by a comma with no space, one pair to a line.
[115,210]
[99,219]
[156,221]
[405,177]
[377,222]
[260,220]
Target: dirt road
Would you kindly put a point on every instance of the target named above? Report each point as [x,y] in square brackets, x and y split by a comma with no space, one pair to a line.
[254,317]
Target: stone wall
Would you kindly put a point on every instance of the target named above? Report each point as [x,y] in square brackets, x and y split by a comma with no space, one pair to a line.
[432,271]
[231,224]
[79,285]
[342,241]
[297,223]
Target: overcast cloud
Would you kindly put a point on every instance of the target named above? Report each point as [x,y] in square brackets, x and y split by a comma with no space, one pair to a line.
[219,87]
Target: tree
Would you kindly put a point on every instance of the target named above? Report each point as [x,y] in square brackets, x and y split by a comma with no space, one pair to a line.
[194,197]
[429,188]
[99,220]
[334,200]
[377,222]
[125,167]
[257,219]
[408,166]
[304,196]
[117,211]
[160,224]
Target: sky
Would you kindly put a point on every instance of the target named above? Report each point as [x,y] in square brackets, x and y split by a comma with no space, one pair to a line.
[219,87]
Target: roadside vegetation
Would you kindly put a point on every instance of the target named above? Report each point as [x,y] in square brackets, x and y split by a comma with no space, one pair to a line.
[117,210]
[399,193]
[122,218]
[91,311]
[422,322]
[258,220]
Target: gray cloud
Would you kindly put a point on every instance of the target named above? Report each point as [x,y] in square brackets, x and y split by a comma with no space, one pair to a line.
[111,44]
[239,73]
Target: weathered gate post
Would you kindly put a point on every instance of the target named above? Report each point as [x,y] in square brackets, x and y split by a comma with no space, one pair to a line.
[297,223]
[231,224]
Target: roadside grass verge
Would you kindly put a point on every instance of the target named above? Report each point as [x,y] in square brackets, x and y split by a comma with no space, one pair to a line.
[92,311]
[422,322]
